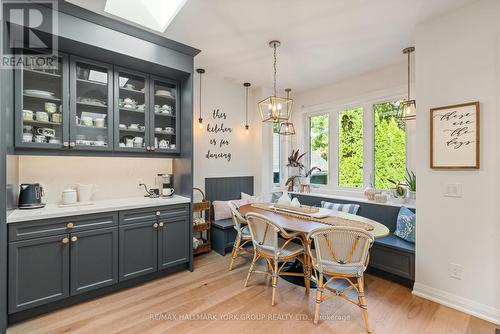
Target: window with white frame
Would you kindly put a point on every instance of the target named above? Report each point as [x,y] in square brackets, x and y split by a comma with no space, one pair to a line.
[350,148]
[371,126]
[318,147]
[390,145]
[276,154]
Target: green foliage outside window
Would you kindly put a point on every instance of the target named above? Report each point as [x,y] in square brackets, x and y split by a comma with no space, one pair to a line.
[390,145]
[351,148]
[319,148]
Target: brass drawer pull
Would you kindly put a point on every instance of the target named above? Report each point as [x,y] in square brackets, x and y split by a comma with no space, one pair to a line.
[158,213]
[155,225]
[72,144]
[66,144]
[74,239]
[69,225]
[161,224]
[65,240]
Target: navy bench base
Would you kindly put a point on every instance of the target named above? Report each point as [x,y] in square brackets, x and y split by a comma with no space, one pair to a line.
[223,236]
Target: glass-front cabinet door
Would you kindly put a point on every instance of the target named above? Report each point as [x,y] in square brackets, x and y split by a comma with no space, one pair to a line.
[41,96]
[91,91]
[131,115]
[164,121]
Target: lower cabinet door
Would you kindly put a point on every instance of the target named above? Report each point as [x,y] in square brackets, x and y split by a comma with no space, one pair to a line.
[94,259]
[38,271]
[173,242]
[138,249]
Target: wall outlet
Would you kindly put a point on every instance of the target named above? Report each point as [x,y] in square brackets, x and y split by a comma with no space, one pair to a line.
[139,182]
[452,190]
[455,271]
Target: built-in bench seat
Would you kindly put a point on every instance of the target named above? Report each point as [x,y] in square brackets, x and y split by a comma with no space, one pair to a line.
[389,254]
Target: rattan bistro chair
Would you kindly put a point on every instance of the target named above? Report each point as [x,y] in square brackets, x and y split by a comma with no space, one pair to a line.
[273,249]
[341,253]
[243,236]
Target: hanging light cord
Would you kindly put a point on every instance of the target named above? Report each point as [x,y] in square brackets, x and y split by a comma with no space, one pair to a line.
[275,60]
[200,93]
[246,106]
[408,76]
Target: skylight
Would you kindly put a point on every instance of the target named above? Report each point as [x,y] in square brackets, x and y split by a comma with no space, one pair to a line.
[152,14]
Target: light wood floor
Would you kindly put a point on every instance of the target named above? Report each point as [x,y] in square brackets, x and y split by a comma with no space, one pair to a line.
[214,296]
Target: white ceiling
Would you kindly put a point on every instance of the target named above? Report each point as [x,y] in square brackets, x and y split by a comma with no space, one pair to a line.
[323,41]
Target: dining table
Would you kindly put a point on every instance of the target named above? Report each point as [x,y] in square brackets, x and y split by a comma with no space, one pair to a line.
[303,224]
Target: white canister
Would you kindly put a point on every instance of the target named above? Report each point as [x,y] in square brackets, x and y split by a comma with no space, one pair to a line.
[84,192]
[68,196]
[285,199]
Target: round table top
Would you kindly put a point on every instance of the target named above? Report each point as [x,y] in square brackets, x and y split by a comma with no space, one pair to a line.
[296,224]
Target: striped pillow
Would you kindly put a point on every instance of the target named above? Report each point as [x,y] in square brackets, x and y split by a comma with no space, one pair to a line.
[349,208]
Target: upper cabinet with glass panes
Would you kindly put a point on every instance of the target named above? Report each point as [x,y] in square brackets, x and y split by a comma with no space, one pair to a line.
[40,105]
[88,105]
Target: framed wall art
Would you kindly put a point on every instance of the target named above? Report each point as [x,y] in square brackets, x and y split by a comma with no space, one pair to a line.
[455,136]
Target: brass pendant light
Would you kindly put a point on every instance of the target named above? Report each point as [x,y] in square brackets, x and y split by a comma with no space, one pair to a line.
[408,108]
[200,71]
[246,85]
[287,128]
[274,108]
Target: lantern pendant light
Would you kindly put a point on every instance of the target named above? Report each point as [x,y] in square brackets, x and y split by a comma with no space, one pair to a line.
[275,109]
[200,71]
[246,85]
[287,128]
[408,108]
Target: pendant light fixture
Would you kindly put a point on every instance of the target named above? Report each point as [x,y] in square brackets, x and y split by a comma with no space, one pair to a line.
[275,109]
[247,86]
[408,108]
[286,127]
[200,71]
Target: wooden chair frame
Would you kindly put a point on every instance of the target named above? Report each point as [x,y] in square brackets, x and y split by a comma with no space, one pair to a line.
[357,286]
[240,241]
[273,268]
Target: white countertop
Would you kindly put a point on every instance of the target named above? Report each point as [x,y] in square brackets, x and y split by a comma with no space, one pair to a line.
[55,211]
[409,204]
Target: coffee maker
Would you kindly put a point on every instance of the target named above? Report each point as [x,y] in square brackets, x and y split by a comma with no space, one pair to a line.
[166,184]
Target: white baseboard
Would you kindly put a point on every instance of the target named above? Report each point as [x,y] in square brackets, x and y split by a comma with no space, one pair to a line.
[461,304]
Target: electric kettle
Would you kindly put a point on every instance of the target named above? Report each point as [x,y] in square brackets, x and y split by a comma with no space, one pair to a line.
[30,196]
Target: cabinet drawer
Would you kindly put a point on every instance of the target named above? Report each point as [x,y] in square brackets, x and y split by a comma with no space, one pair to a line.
[163,212]
[49,227]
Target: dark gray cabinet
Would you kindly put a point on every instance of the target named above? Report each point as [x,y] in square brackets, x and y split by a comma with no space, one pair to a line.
[138,249]
[94,259]
[38,271]
[173,242]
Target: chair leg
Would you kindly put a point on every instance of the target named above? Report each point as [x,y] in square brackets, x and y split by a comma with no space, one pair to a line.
[306,272]
[319,297]
[255,256]
[234,253]
[274,281]
[362,303]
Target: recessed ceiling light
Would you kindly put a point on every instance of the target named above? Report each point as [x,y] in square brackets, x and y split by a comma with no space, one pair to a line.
[153,14]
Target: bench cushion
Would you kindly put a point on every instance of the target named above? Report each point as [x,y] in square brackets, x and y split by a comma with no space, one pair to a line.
[393,241]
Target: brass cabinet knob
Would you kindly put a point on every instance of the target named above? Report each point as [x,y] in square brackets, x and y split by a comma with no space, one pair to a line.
[65,240]
[155,225]
[74,238]
[153,148]
[66,144]
[69,225]
[148,148]
[158,213]
[71,144]
[161,224]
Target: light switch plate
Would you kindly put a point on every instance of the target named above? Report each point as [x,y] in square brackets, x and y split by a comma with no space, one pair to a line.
[452,190]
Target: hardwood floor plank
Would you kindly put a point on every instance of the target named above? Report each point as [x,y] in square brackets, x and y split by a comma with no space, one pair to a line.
[213,300]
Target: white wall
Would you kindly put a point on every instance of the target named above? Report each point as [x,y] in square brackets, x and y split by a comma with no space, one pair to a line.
[378,85]
[113,177]
[246,150]
[458,61]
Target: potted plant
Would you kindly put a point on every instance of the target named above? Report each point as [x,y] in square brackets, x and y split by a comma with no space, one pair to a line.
[294,165]
[411,182]
[306,179]
[399,192]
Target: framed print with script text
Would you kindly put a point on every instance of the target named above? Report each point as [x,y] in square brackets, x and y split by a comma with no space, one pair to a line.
[455,136]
